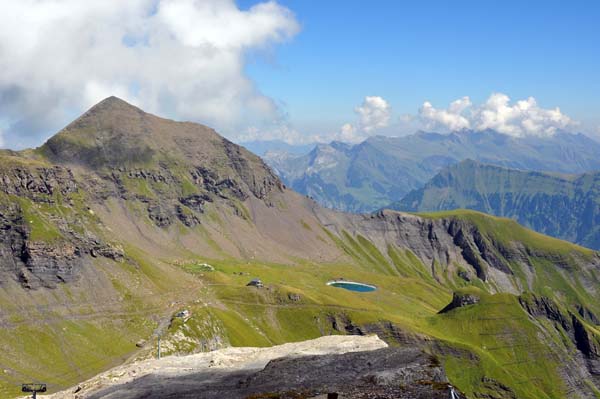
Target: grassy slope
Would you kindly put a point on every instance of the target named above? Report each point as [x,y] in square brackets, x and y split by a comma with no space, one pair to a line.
[69,334]
[64,335]
[64,352]
[269,318]
[563,206]
[82,340]
[504,340]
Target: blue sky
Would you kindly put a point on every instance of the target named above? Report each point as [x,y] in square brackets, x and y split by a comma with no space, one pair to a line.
[409,52]
[303,70]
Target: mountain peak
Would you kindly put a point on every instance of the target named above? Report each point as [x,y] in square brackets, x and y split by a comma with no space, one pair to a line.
[114,132]
[111,101]
[114,103]
[110,111]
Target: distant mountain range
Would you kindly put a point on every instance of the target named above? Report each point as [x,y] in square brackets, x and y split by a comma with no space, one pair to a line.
[563,206]
[370,175]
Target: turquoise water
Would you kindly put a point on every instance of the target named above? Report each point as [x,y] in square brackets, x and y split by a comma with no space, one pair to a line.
[358,287]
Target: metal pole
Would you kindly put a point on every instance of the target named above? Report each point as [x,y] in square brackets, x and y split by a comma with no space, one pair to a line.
[159,347]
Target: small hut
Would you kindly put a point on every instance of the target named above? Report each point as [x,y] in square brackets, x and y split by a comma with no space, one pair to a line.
[255,283]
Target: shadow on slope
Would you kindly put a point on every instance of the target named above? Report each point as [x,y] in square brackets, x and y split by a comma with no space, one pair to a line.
[384,373]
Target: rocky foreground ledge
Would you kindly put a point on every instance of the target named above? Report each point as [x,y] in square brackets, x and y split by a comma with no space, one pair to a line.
[346,366]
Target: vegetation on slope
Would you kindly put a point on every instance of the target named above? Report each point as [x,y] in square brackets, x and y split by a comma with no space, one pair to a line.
[381,170]
[139,237]
[563,206]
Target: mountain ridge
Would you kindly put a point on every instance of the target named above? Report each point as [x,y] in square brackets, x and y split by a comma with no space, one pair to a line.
[381,170]
[100,255]
[563,206]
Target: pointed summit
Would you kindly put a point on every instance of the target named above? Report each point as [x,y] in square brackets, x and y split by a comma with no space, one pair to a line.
[114,101]
[114,104]
[114,132]
[110,113]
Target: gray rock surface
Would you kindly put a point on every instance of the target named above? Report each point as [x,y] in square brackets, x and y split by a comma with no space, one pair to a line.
[384,373]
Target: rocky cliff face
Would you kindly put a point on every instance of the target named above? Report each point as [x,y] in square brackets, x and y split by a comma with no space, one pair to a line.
[115,152]
[462,247]
[575,326]
[37,183]
[40,247]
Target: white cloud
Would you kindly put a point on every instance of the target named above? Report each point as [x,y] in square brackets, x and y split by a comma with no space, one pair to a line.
[450,118]
[348,133]
[180,58]
[523,118]
[374,113]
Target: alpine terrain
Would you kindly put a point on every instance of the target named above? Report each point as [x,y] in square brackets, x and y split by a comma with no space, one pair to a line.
[563,206]
[125,227]
[380,170]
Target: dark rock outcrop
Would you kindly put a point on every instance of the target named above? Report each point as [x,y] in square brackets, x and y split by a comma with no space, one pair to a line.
[385,373]
[460,300]
[540,306]
[582,338]
[571,324]
[447,242]
[186,216]
[500,391]
[342,323]
[587,315]
[160,215]
[38,183]
[107,251]
[196,202]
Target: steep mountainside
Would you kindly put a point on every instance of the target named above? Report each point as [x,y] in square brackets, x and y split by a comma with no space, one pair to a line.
[380,170]
[563,206]
[125,226]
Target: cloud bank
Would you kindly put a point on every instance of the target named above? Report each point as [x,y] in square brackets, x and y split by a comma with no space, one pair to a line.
[373,114]
[180,58]
[523,118]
